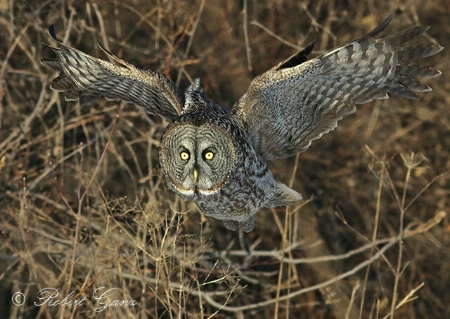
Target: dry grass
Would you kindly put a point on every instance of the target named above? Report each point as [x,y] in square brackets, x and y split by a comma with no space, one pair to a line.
[84,205]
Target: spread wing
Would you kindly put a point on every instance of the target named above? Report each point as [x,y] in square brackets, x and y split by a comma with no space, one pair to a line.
[298,101]
[84,76]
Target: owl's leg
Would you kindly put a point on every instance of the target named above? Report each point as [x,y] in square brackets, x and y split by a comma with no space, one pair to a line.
[248,225]
[231,224]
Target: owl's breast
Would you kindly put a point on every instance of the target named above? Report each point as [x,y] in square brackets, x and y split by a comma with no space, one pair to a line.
[249,188]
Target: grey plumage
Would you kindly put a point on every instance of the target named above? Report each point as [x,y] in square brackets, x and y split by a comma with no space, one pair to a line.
[217,158]
[85,76]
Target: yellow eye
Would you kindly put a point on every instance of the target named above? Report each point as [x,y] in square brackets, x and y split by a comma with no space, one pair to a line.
[209,155]
[184,155]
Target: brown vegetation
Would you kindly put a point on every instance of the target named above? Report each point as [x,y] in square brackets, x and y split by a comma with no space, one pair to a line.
[83,204]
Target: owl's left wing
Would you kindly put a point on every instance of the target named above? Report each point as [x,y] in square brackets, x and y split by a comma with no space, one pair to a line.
[84,76]
[298,101]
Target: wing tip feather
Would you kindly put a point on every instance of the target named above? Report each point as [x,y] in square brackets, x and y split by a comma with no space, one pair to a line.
[381,27]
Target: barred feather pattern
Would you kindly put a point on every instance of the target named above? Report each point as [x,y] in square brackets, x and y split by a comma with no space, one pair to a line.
[287,108]
[86,77]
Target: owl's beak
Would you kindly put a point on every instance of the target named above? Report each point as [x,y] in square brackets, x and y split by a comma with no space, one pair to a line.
[195,176]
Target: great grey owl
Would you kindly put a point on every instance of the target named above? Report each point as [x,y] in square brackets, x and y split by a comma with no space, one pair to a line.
[217,158]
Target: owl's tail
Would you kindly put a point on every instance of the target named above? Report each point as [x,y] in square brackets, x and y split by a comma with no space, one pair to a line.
[284,196]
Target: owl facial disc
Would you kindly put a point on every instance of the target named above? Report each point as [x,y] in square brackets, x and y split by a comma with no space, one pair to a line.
[197,160]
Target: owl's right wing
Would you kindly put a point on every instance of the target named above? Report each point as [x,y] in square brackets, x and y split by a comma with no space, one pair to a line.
[298,101]
[84,76]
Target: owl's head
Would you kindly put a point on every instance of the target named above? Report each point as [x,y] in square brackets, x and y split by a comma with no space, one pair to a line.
[197,158]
